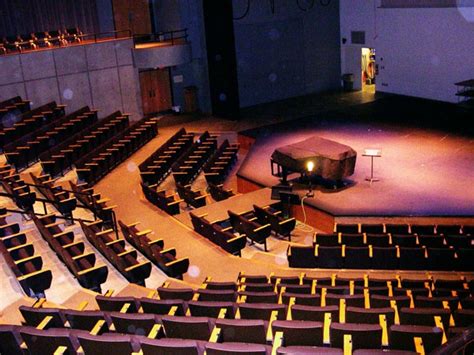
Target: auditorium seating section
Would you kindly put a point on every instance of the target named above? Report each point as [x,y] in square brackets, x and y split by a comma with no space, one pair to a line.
[62,157]
[14,186]
[220,233]
[21,258]
[187,167]
[221,163]
[154,250]
[95,165]
[257,314]
[95,203]
[168,202]
[121,256]
[27,149]
[194,198]
[256,225]
[218,192]
[185,158]
[379,246]
[29,121]
[11,110]
[80,261]
[42,39]
[62,200]
[158,165]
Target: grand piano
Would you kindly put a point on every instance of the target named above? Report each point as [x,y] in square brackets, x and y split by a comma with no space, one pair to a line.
[332,160]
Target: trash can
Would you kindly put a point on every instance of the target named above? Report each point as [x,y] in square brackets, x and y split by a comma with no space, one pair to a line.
[190,99]
[348,81]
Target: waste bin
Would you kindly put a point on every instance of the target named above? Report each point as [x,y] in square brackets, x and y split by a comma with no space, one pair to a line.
[190,99]
[348,81]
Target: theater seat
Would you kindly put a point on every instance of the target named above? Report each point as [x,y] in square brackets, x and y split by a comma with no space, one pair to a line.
[299,332]
[169,346]
[401,337]
[368,336]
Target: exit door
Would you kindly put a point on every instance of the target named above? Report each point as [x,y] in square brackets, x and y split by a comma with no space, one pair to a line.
[155,88]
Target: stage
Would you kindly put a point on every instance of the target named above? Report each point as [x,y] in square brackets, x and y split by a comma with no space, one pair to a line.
[422,172]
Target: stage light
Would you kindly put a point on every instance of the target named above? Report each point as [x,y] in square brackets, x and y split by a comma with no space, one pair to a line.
[310,167]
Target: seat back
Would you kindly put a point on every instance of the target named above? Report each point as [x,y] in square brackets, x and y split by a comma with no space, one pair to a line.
[168,346]
[136,323]
[195,328]
[367,336]
[116,344]
[401,337]
[299,332]
[47,341]
[242,330]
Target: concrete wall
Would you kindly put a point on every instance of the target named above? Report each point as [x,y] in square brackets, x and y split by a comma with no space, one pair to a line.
[420,52]
[286,53]
[100,75]
[179,14]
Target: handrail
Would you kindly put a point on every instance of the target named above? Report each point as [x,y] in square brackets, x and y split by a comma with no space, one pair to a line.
[456,344]
[95,37]
[20,211]
[164,36]
[45,200]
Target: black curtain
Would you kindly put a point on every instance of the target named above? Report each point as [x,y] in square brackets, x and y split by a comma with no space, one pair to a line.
[27,16]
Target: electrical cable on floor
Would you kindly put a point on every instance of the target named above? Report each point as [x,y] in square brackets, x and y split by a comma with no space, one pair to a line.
[302,225]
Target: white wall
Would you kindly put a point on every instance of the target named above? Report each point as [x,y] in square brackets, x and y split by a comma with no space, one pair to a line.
[420,52]
[356,15]
[423,52]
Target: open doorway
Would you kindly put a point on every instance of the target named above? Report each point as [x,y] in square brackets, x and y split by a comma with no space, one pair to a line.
[368,71]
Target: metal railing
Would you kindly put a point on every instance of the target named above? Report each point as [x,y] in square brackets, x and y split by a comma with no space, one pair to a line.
[94,209]
[174,36]
[456,345]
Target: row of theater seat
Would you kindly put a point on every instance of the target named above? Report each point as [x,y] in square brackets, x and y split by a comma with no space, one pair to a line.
[21,258]
[95,203]
[63,200]
[11,109]
[403,228]
[41,39]
[80,262]
[62,157]
[219,192]
[187,167]
[96,164]
[385,258]
[15,187]
[27,149]
[154,250]
[214,313]
[157,166]
[231,233]
[387,239]
[21,124]
[124,258]
[168,202]
[220,164]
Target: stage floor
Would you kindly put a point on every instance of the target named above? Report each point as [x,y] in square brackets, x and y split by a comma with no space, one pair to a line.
[422,172]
